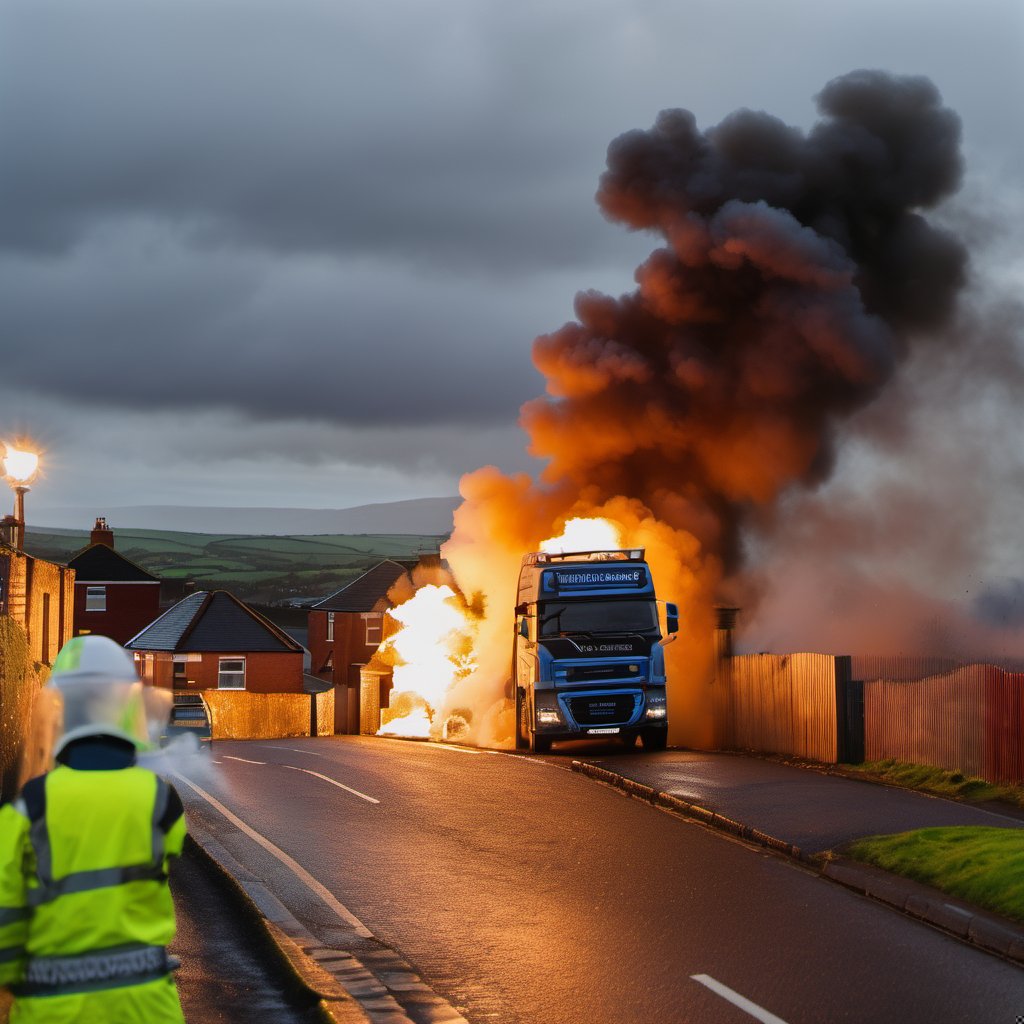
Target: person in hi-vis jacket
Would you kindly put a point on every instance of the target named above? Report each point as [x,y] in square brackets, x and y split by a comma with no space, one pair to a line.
[85,909]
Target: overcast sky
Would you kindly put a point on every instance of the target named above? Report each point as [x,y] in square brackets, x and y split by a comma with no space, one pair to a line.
[273,252]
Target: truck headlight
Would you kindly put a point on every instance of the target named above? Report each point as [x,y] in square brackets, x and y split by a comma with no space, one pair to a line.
[548,716]
[656,707]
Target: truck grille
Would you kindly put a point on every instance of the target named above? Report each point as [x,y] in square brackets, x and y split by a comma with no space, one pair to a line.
[583,673]
[595,709]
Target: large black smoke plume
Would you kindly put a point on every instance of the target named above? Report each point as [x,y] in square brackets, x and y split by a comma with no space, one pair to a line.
[797,271]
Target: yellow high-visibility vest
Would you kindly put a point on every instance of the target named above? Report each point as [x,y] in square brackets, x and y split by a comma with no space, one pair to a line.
[86,913]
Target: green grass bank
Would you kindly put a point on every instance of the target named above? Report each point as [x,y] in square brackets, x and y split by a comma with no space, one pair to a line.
[984,866]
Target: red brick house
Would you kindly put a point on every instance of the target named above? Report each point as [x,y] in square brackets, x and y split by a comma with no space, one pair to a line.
[113,596]
[345,629]
[212,641]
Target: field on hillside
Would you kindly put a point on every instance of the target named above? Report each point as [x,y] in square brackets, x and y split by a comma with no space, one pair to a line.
[263,569]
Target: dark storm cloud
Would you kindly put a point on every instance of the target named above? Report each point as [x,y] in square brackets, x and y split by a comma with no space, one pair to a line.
[153,325]
[286,126]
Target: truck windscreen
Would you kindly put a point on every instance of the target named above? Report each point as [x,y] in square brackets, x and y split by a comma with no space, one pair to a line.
[559,617]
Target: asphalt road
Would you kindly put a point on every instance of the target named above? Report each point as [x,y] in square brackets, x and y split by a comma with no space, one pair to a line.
[526,894]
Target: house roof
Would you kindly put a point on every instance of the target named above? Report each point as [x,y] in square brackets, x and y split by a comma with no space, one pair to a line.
[102,563]
[212,621]
[363,593]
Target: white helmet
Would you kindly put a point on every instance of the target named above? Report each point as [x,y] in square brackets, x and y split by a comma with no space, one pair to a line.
[99,691]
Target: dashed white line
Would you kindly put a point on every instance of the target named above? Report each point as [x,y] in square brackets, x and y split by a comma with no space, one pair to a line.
[294,750]
[228,757]
[746,1005]
[455,750]
[334,782]
[297,869]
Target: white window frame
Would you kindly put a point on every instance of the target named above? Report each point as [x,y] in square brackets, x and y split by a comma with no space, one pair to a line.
[224,674]
[374,622]
[96,599]
[330,627]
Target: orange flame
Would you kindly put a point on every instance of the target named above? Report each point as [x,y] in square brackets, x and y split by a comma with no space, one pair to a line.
[431,651]
[446,681]
[584,535]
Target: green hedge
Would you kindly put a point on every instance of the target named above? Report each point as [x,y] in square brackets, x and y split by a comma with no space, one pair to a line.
[18,684]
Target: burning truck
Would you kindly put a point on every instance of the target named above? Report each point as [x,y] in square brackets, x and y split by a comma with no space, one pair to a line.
[588,654]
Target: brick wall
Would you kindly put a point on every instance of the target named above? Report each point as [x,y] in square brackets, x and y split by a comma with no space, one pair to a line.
[265,672]
[130,608]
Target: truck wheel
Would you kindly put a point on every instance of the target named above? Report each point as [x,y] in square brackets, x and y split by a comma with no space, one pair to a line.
[654,739]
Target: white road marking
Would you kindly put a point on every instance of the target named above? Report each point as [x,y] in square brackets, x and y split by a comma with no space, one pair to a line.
[755,1011]
[334,782]
[228,757]
[454,750]
[297,869]
[529,759]
[295,750]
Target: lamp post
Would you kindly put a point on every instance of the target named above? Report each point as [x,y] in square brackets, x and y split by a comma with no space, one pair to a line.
[20,469]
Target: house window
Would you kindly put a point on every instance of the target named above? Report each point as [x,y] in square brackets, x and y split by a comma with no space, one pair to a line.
[179,676]
[95,599]
[231,674]
[330,627]
[374,621]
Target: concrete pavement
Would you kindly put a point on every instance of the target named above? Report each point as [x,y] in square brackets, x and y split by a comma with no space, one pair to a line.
[804,812]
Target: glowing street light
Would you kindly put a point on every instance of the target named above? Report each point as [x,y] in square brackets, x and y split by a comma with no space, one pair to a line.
[21,467]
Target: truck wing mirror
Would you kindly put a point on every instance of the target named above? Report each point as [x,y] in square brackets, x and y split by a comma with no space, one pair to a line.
[524,629]
[671,618]
[520,609]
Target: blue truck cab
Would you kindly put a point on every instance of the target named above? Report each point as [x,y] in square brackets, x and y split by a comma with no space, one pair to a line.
[588,650]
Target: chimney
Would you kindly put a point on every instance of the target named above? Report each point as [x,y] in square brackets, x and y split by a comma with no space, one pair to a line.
[725,625]
[101,533]
[429,559]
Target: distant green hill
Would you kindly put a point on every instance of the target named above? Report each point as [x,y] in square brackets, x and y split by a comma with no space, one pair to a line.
[263,569]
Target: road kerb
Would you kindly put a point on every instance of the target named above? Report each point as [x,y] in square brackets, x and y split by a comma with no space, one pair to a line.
[974,927]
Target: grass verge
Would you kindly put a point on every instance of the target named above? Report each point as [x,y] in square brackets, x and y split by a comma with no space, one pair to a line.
[984,866]
[930,779]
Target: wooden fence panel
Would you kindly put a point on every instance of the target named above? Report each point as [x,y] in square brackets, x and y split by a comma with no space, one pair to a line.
[969,719]
[782,704]
[241,715]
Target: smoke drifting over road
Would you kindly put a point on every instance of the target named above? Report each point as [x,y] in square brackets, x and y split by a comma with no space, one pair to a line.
[797,271]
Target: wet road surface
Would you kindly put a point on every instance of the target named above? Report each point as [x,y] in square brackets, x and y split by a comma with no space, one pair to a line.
[526,894]
[228,974]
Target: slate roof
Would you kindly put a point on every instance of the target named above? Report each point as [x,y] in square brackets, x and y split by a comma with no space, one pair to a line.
[363,593]
[212,621]
[101,563]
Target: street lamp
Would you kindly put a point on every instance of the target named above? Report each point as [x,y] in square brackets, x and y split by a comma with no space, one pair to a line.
[20,468]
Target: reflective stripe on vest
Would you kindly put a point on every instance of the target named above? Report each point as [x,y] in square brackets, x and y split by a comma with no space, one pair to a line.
[89,972]
[100,878]
[8,915]
[9,953]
